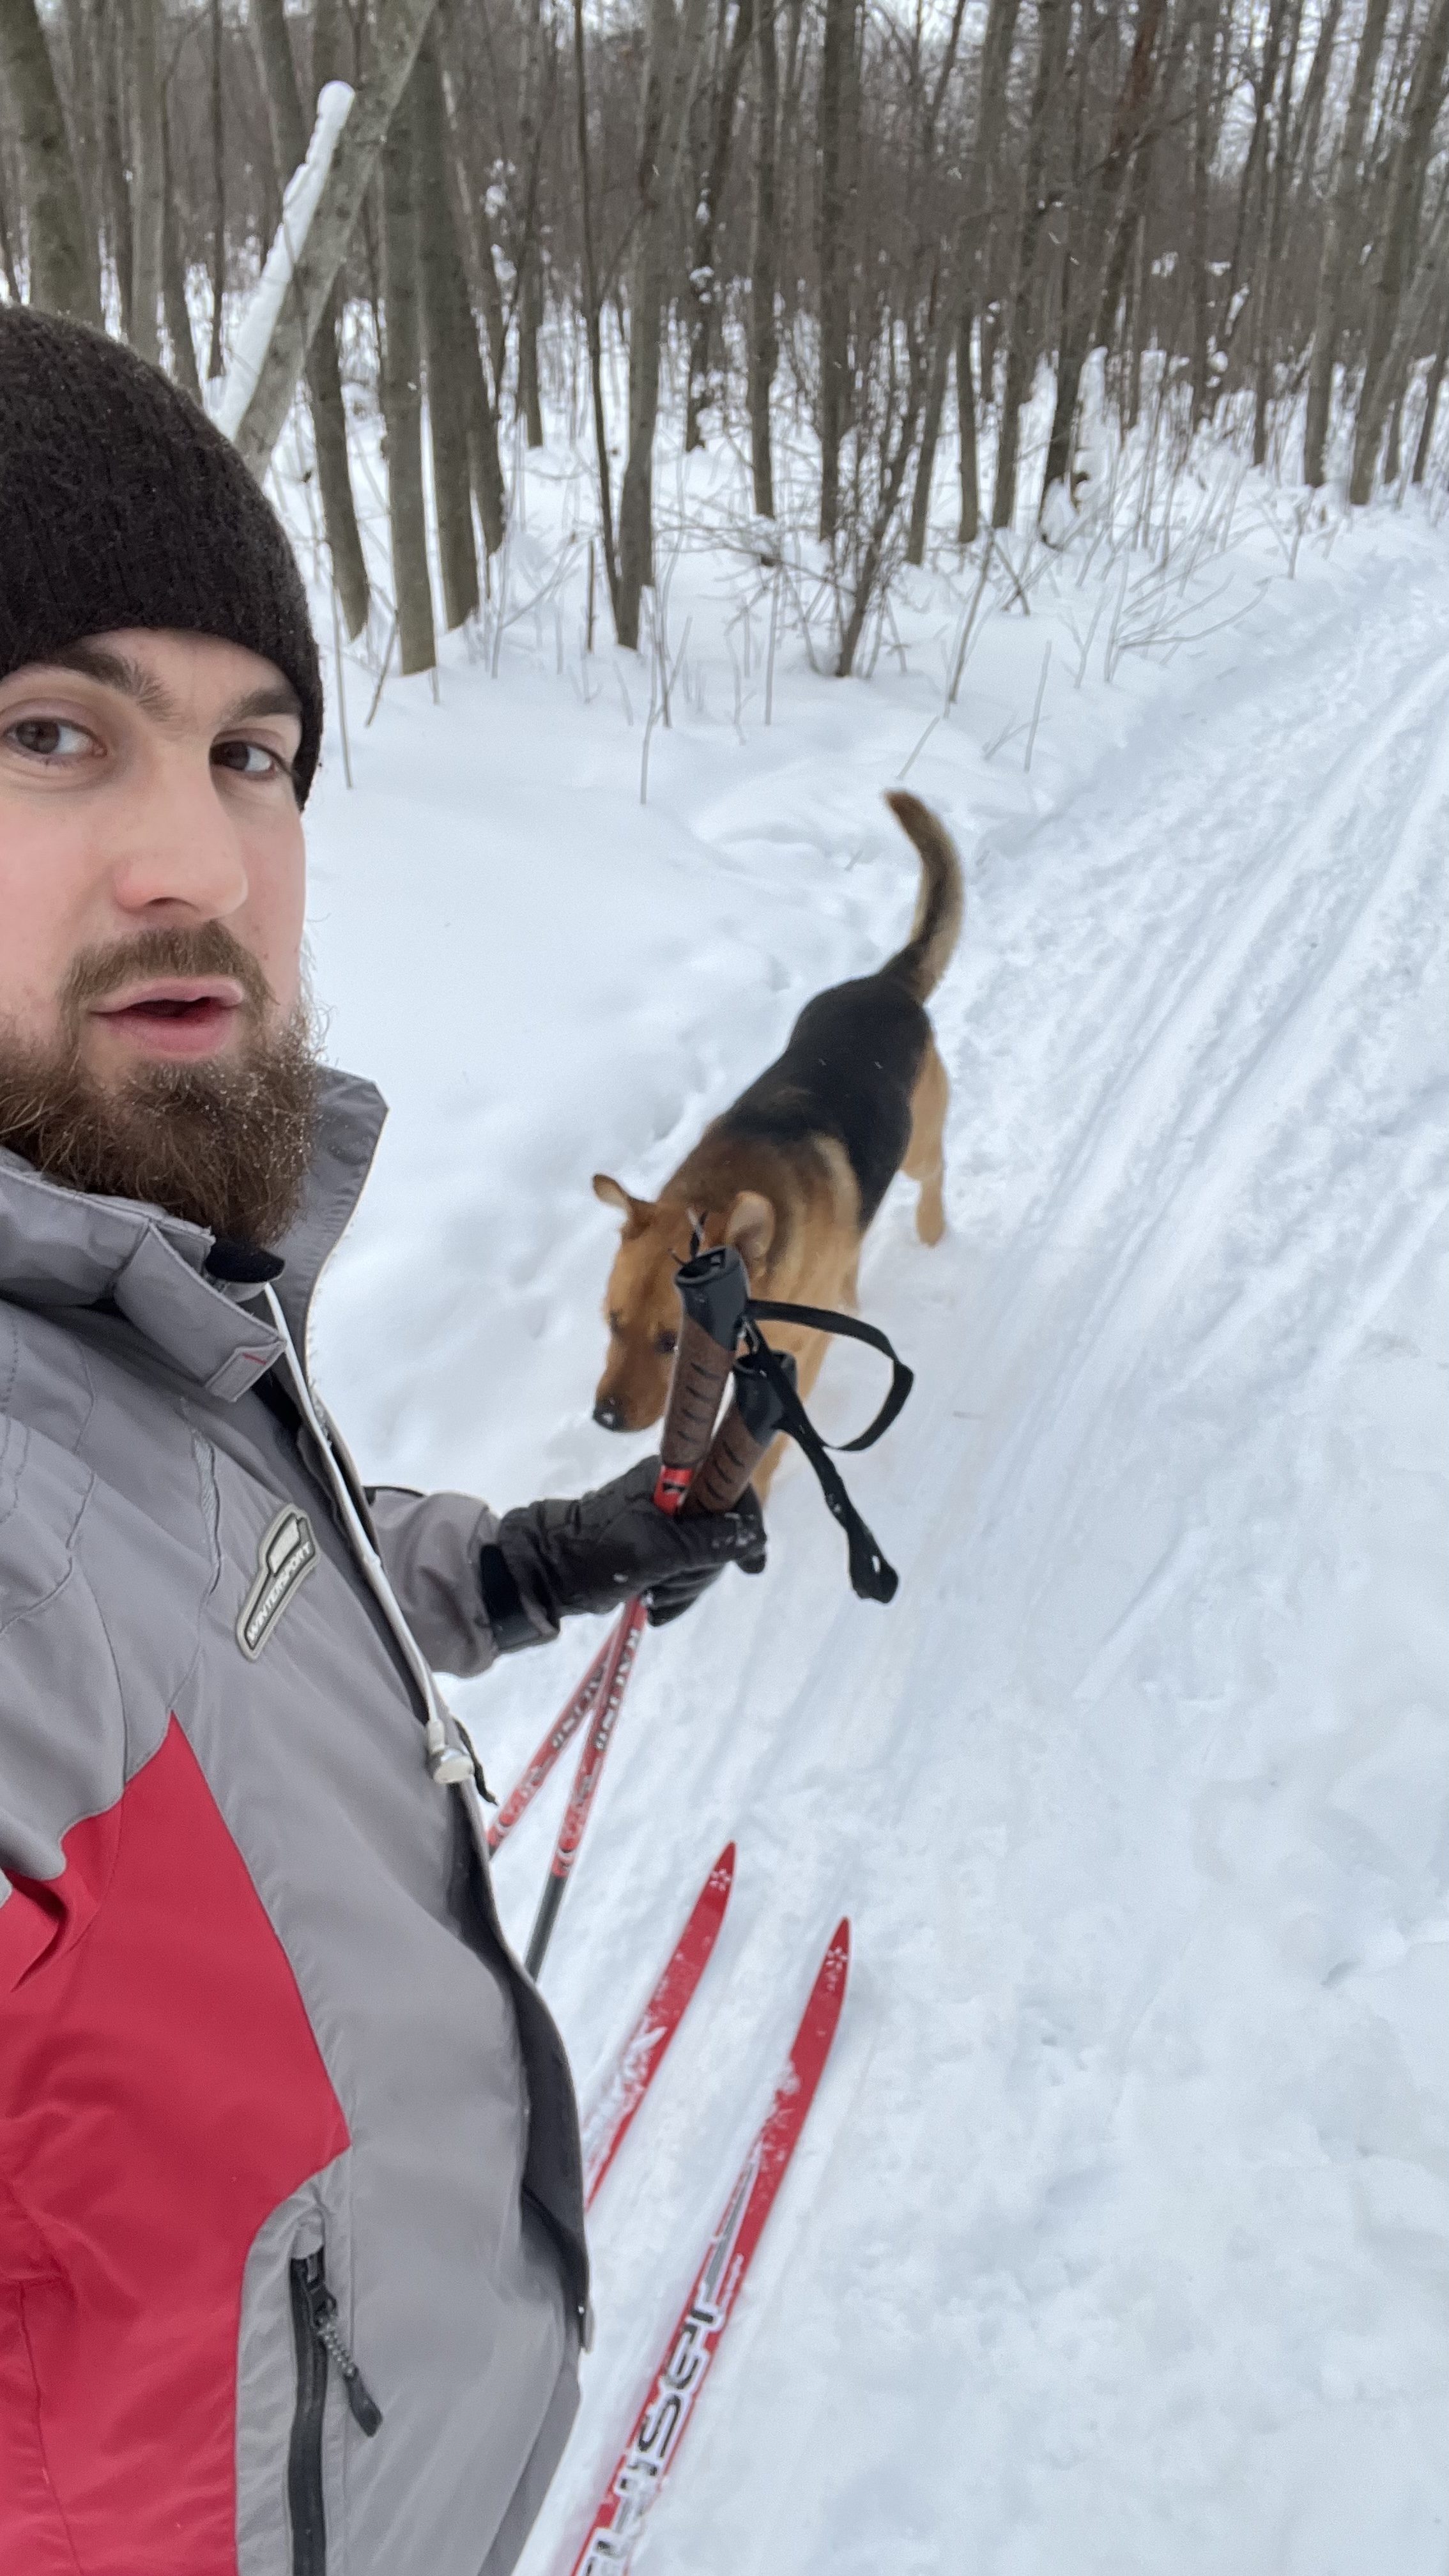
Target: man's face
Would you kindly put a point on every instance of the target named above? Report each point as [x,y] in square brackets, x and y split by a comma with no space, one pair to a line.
[152,883]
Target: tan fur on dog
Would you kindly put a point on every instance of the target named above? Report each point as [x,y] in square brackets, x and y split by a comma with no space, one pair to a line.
[792,1200]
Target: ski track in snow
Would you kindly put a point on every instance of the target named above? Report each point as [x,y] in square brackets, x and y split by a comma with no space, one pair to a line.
[1119,2237]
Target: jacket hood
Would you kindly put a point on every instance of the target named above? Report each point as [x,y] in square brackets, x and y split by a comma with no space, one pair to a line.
[61,1247]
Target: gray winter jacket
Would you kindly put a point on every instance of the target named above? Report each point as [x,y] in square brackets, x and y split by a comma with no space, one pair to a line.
[292,2270]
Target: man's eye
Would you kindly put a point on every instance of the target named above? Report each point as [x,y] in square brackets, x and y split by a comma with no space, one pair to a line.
[248,760]
[50,738]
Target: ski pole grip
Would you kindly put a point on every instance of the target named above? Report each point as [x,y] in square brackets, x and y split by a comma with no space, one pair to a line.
[742,1438]
[713,1290]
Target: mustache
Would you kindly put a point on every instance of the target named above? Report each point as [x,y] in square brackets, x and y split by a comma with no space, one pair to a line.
[209,949]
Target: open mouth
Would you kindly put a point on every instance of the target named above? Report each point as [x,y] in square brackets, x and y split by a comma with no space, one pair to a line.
[175,1017]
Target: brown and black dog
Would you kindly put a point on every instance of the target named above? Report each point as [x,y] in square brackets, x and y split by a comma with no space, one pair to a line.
[794,1173]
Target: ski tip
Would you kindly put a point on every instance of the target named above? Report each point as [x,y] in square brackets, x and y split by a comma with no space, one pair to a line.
[837,1957]
[723,1872]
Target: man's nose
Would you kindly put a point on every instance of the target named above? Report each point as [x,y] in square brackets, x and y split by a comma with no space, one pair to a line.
[183,847]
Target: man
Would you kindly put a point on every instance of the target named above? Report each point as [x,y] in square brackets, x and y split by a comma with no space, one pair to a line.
[292,2270]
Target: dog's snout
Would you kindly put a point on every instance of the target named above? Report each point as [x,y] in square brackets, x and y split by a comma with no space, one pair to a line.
[608,1415]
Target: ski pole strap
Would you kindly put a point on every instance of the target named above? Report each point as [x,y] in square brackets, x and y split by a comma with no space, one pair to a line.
[823,1319]
[871,1577]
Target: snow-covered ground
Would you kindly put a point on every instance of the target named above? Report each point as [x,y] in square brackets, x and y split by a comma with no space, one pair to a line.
[1119,2240]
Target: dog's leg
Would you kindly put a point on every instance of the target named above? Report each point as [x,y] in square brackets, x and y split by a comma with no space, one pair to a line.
[925,1156]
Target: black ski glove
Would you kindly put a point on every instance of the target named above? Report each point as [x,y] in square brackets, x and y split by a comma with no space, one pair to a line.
[597,1551]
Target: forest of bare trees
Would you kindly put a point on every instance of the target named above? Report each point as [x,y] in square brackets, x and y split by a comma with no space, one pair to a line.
[907,236]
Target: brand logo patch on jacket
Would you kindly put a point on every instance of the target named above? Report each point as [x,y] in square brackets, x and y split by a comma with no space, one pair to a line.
[288,1553]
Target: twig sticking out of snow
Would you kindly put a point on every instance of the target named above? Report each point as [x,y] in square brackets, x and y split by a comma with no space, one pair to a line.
[1036,710]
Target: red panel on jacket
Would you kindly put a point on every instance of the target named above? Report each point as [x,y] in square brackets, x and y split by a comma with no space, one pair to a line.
[160,2093]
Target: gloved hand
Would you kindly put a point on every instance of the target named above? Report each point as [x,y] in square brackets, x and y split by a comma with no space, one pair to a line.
[595,1552]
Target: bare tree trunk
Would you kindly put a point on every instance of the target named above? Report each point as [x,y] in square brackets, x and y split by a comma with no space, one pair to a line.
[1392,268]
[938,313]
[448,333]
[703,283]
[148,176]
[534,95]
[930,436]
[334,476]
[216,361]
[892,484]
[1053,27]
[1418,297]
[1083,289]
[1339,242]
[1244,267]
[837,67]
[402,393]
[397,33]
[593,316]
[173,281]
[474,244]
[791,168]
[1308,116]
[7,249]
[62,266]
[1432,392]
[1204,39]
[1270,245]
[324,376]
[1394,447]
[969,524]
[108,41]
[670,71]
[764,344]
[981,195]
[1119,279]
[484,470]
[78,89]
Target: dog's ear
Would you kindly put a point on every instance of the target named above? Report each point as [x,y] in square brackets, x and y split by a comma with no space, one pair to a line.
[750,1227]
[635,1212]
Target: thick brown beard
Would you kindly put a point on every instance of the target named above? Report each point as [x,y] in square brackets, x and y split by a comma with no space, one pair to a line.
[225,1144]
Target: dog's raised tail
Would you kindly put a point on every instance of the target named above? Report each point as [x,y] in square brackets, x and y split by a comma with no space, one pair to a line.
[940,905]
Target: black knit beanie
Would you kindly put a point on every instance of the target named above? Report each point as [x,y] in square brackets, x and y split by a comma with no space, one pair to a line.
[122,505]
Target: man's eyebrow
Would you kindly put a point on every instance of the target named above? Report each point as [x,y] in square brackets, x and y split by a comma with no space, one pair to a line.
[117,671]
[276,698]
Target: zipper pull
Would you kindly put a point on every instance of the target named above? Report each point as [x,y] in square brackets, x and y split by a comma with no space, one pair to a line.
[322,2316]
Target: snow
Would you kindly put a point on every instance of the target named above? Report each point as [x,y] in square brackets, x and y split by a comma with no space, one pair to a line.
[252,331]
[1119,2237]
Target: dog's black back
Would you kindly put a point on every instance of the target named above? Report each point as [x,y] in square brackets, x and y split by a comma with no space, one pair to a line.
[855,1053]
[849,1071]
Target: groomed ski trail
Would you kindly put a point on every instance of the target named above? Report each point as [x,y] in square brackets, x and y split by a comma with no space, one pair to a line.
[1120,2237]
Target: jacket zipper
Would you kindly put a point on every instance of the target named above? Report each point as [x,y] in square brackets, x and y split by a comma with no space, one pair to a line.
[317,2340]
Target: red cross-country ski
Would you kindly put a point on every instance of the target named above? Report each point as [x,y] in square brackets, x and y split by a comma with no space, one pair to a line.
[674,2389]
